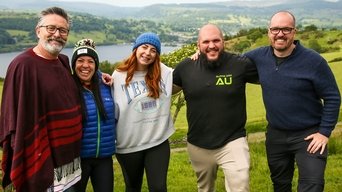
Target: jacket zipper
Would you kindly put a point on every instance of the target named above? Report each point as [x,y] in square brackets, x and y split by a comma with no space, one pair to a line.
[98,133]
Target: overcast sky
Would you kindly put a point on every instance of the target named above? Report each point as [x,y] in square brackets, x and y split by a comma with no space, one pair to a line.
[140,3]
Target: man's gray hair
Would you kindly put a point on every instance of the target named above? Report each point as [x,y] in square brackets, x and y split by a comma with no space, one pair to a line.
[53,10]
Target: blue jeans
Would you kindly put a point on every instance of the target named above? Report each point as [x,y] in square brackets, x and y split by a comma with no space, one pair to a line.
[284,149]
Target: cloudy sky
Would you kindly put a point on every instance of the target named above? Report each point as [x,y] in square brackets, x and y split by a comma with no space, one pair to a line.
[139,3]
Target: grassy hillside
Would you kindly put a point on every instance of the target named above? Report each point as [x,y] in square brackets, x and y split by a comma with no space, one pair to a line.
[327,41]
[173,23]
[260,181]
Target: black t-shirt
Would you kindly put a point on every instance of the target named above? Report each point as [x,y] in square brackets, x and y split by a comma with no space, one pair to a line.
[215,98]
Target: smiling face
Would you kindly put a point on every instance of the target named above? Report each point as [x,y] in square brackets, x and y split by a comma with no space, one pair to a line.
[85,68]
[281,33]
[210,42]
[52,43]
[146,55]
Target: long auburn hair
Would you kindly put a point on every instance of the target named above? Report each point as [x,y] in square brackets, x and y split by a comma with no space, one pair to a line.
[152,77]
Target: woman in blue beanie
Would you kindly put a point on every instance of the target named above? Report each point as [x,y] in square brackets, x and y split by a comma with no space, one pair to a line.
[143,88]
[97,105]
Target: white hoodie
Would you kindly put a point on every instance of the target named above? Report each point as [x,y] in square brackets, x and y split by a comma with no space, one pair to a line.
[143,122]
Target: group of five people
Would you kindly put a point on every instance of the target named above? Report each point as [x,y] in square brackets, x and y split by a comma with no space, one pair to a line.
[60,126]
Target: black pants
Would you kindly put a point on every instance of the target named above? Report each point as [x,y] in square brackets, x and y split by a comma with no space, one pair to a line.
[284,148]
[100,171]
[155,161]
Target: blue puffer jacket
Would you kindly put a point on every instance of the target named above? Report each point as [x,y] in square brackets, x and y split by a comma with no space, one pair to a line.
[99,134]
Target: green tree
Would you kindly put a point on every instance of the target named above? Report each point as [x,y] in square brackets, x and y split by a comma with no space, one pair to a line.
[172,59]
[313,44]
[106,67]
[5,37]
[255,35]
[310,28]
[240,46]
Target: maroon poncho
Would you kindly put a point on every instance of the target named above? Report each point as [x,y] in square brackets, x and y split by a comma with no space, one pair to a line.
[40,121]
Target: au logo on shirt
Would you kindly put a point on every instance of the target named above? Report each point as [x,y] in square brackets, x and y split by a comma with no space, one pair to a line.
[224,79]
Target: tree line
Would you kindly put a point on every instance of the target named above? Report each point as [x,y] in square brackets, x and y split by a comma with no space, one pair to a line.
[18,29]
[17,32]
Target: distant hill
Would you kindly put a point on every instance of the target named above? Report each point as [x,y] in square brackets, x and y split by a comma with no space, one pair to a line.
[174,23]
[233,16]
[98,9]
[230,15]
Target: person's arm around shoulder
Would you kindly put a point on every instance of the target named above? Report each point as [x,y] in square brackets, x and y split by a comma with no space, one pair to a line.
[107,79]
[176,89]
[195,56]
[251,72]
[177,74]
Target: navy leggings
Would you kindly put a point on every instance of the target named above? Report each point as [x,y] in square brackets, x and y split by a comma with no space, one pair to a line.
[155,161]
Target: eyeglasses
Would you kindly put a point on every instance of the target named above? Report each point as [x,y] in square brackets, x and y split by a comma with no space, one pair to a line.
[52,29]
[285,30]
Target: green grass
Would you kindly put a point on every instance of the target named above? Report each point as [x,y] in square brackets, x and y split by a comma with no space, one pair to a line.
[181,177]
[255,105]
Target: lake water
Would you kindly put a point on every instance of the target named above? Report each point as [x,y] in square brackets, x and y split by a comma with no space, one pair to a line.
[111,53]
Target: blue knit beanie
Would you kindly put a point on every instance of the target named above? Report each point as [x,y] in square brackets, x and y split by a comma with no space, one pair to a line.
[148,38]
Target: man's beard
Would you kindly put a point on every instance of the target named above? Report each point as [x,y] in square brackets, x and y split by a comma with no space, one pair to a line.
[54,49]
[212,64]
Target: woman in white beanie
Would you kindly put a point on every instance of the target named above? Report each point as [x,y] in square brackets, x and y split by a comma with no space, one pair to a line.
[97,104]
[142,90]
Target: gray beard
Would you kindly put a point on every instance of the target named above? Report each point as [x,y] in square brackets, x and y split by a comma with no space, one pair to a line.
[54,50]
